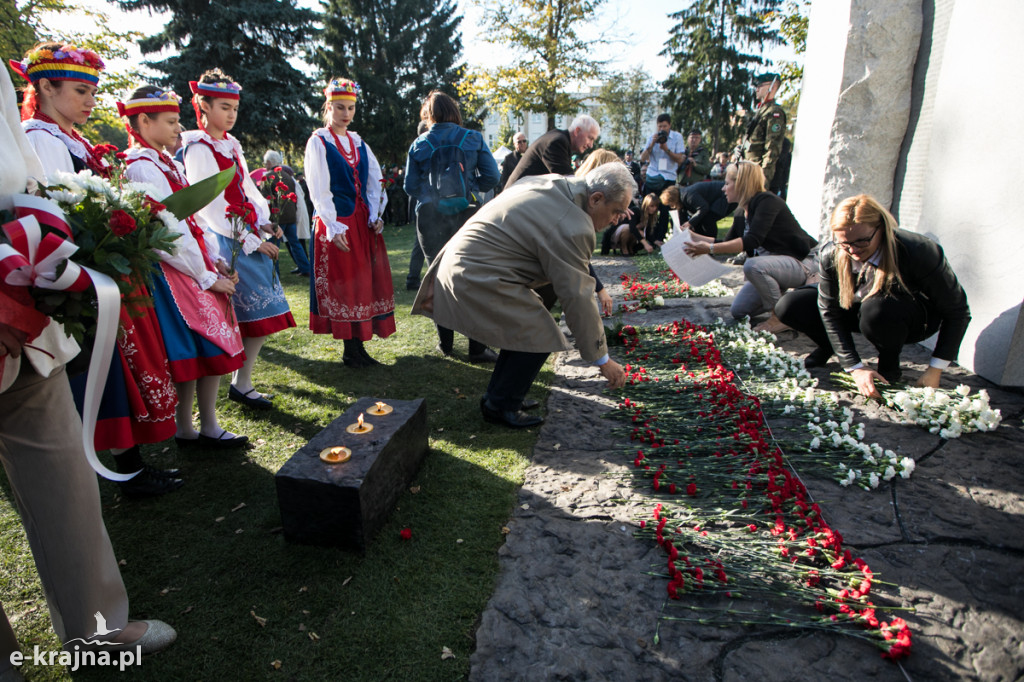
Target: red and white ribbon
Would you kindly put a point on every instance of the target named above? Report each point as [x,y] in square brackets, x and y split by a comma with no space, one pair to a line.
[32,259]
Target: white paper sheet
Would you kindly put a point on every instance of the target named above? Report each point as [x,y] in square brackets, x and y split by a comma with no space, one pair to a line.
[694,271]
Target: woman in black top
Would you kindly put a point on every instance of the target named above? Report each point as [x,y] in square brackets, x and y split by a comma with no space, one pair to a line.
[766,229]
[894,286]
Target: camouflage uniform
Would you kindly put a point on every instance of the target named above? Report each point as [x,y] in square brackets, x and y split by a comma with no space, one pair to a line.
[697,171]
[763,144]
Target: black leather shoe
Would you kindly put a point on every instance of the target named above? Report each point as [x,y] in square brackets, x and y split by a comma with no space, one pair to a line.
[485,356]
[222,443]
[516,419]
[147,484]
[187,443]
[258,402]
[530,404]
[818,357]
[412,286]
[163,473]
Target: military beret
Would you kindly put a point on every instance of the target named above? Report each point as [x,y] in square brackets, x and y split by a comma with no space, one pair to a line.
[766,77]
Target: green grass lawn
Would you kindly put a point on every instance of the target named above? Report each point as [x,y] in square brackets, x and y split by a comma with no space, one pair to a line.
[203,562]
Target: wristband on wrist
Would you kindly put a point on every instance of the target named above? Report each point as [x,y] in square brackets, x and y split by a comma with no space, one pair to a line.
[711,249]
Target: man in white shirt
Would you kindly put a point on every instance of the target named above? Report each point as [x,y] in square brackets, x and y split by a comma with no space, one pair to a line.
[665,151]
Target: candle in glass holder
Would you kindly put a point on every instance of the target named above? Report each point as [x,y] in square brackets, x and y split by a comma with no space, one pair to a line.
[359,426]
[380,409]
[336,455]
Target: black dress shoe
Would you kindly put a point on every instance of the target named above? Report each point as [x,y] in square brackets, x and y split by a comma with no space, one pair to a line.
[818,357]
[222,443]
[187,443]
[516,419]
[148,484]
[530,404]
[163,473]
[258,402]
[412,286]
[485,356]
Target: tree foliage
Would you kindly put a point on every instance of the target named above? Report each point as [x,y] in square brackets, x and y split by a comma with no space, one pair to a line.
[793,22]
[253,43]
[627,101]
[547,56]
[715,46]
[398,51]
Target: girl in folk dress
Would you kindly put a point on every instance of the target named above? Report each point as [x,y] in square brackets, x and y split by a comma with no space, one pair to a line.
[191,295]
[351,295]
[139,400]
[259,298]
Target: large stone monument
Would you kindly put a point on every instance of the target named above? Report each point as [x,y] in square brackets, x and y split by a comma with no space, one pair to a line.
[917,102]
[344,504]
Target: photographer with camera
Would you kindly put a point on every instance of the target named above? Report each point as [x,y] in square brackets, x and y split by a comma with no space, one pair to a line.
[665,151]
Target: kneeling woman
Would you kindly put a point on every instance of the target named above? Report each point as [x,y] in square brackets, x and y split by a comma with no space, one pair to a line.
[893,286]
[769,232]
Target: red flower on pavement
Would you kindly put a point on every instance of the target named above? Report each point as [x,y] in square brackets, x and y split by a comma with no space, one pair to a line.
[691,489]
[121,223]
[405,533]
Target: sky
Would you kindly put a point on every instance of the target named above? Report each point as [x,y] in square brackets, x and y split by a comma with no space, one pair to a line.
[636,31]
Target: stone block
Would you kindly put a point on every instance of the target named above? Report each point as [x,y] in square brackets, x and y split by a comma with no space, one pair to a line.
[344,505]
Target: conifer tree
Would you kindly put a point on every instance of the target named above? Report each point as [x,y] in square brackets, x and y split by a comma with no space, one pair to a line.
[716,47]
[397,51]
[252,42]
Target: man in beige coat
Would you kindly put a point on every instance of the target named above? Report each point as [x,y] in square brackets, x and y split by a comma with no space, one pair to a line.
[539,231]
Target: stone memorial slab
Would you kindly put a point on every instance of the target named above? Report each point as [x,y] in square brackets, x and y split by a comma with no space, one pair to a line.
[345,504]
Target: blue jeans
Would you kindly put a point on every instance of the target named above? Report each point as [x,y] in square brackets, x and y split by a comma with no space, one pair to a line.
[298,253]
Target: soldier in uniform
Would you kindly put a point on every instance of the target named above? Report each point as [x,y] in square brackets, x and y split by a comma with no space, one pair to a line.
[765,132]
[696,161]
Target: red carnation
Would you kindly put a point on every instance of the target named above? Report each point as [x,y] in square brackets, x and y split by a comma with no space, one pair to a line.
[691,489]
[121,223]
[280,187]
[291,197]
[405,533]
[278,169]
[275,210]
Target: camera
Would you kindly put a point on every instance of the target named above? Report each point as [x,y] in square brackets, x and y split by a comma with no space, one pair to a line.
[661,137]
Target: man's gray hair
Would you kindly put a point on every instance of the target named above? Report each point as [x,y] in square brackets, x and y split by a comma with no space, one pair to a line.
[613,180]
[586,123]
[272,158]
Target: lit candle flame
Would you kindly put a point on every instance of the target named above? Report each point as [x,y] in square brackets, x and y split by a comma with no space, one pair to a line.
[380,407]
[360,421]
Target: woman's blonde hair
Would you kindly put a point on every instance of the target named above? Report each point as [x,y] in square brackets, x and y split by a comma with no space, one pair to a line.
[749,181]
[647,221]
[864,209]
[598,157]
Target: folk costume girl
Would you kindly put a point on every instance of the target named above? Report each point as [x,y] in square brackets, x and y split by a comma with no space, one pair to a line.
[191,297]
[139,400]
[61,94]
[259,300]
[351,295]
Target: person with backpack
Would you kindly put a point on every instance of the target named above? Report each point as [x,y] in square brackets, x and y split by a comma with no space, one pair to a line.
[351,295]
[448,168]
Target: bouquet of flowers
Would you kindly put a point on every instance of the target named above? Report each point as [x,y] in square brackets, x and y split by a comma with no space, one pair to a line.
[117,230]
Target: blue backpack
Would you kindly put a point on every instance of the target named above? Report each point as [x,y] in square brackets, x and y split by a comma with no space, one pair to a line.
[448,176]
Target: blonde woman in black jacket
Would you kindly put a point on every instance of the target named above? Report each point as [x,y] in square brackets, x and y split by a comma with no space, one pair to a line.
[893,286]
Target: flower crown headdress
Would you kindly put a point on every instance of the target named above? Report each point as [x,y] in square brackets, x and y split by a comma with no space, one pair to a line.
[216,90]
[68,63]
[342,89]
[153,103]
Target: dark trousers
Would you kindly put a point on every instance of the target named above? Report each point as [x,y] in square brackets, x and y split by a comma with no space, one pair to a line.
[415,265]
[888,322]
[433,230]
[513,374]
[708,225]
